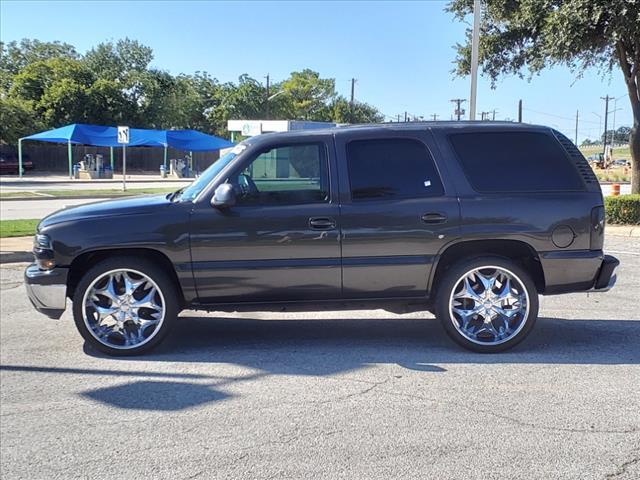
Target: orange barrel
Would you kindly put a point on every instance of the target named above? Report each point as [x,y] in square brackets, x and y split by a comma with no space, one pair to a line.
[615,189]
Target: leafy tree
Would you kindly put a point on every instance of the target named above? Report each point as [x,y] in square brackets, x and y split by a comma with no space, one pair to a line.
[519,35]
[16,56]
[343,112]
[309,95]
[117,61]
[57,89]
[619,135]
[17,119]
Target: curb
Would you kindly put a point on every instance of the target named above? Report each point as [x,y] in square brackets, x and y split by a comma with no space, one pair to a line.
[16,257]
[622,230]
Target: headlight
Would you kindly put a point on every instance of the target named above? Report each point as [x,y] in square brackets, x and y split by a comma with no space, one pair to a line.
[43,251]
[42,241]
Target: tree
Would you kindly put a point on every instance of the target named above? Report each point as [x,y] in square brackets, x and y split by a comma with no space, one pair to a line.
[519,35]
[16,56]
[57,89]
[309,95]
[343,112]
[619,135]
[17,117]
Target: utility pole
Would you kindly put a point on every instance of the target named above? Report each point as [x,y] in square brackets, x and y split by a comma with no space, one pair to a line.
[267,100]
[435,117]
[520,111]
[458,102]
[475,39]
[606,115]
[494,115]
[615,109]
[398,118]
[576,141]
[353,90]
[405,116]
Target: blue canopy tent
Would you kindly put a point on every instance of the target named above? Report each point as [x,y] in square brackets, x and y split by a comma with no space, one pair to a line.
[101,136]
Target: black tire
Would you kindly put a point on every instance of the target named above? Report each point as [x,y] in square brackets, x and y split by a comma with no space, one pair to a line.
[156,274]
[451,278]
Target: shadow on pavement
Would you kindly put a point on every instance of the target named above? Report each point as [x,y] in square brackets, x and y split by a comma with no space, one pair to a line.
[325,347]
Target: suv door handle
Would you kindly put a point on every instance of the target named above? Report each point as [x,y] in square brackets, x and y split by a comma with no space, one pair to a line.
[434,218]
[322,223]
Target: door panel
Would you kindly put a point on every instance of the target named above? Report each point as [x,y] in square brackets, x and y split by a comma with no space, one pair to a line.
[282,241]
[264,254]
[389,244]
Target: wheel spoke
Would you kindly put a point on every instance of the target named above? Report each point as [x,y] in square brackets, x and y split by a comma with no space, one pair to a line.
[488,282]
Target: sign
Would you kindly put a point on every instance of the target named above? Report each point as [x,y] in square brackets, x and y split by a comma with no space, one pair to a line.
[123,135]
[249,129]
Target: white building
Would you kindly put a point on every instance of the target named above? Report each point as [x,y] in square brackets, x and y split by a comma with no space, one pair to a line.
[250,128]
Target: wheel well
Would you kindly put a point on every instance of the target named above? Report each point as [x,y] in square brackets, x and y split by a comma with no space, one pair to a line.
[519,252]
[88,259]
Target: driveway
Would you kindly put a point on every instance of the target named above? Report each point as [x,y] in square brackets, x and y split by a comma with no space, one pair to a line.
[350,395]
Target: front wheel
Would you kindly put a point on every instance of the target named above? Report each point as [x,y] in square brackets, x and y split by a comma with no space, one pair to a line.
[487,304]
[125,306]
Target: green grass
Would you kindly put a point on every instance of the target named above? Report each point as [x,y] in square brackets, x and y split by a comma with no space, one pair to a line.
[18,228]
[19,195]
[89,193]
[619,153]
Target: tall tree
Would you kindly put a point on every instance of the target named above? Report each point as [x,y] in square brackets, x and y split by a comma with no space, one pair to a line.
[309,95]
[15,56]
[343,112]
[519,35]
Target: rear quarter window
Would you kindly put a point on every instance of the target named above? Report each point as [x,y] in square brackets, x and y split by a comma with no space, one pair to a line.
[515,162]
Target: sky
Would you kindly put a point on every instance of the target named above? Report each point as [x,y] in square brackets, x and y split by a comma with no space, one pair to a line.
[400,53]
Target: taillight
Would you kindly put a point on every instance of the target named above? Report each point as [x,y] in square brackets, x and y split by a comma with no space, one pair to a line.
[597,228]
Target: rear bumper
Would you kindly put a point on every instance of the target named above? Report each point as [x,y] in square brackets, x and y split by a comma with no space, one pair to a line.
[606,278]
[578,271]
[47,290]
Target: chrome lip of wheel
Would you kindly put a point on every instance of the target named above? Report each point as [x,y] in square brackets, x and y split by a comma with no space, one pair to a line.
[489,305]
[123,309]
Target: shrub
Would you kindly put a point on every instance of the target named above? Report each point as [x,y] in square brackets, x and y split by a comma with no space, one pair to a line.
[624,209]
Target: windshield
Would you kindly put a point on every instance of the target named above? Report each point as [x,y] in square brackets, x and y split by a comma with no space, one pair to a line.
[210,173]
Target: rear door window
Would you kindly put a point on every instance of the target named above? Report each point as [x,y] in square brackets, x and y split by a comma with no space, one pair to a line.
[391,168]
[514,161]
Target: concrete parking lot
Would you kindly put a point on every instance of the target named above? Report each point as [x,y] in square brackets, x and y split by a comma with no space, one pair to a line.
[350,395]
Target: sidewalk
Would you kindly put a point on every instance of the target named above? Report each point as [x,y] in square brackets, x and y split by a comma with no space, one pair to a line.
[18,249]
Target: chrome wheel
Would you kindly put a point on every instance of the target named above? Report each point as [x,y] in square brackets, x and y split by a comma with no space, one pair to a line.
[489,305]
[123,309]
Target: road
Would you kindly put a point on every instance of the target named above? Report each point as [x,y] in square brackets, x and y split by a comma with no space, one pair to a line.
[353,395]
[60,182]
[18,209]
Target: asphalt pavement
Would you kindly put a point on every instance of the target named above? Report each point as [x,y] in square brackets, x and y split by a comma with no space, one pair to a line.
[350,395]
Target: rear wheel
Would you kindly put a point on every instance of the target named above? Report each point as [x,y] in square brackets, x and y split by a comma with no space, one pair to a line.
[487,304]
[125,306]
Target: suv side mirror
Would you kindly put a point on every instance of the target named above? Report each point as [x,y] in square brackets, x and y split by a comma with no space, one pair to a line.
[224,196]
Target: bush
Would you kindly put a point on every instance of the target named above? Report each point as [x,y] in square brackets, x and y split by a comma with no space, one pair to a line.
[624,209]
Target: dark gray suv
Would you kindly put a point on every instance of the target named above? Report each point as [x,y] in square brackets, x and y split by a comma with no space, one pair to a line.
[469,220]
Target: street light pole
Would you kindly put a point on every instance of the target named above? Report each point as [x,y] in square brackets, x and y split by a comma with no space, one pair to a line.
[475,38]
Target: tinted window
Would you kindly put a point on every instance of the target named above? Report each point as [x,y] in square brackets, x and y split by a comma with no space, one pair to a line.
[285,175]
[515,161]
[391,168]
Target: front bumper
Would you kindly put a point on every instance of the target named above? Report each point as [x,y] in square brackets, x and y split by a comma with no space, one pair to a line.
[47,289]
